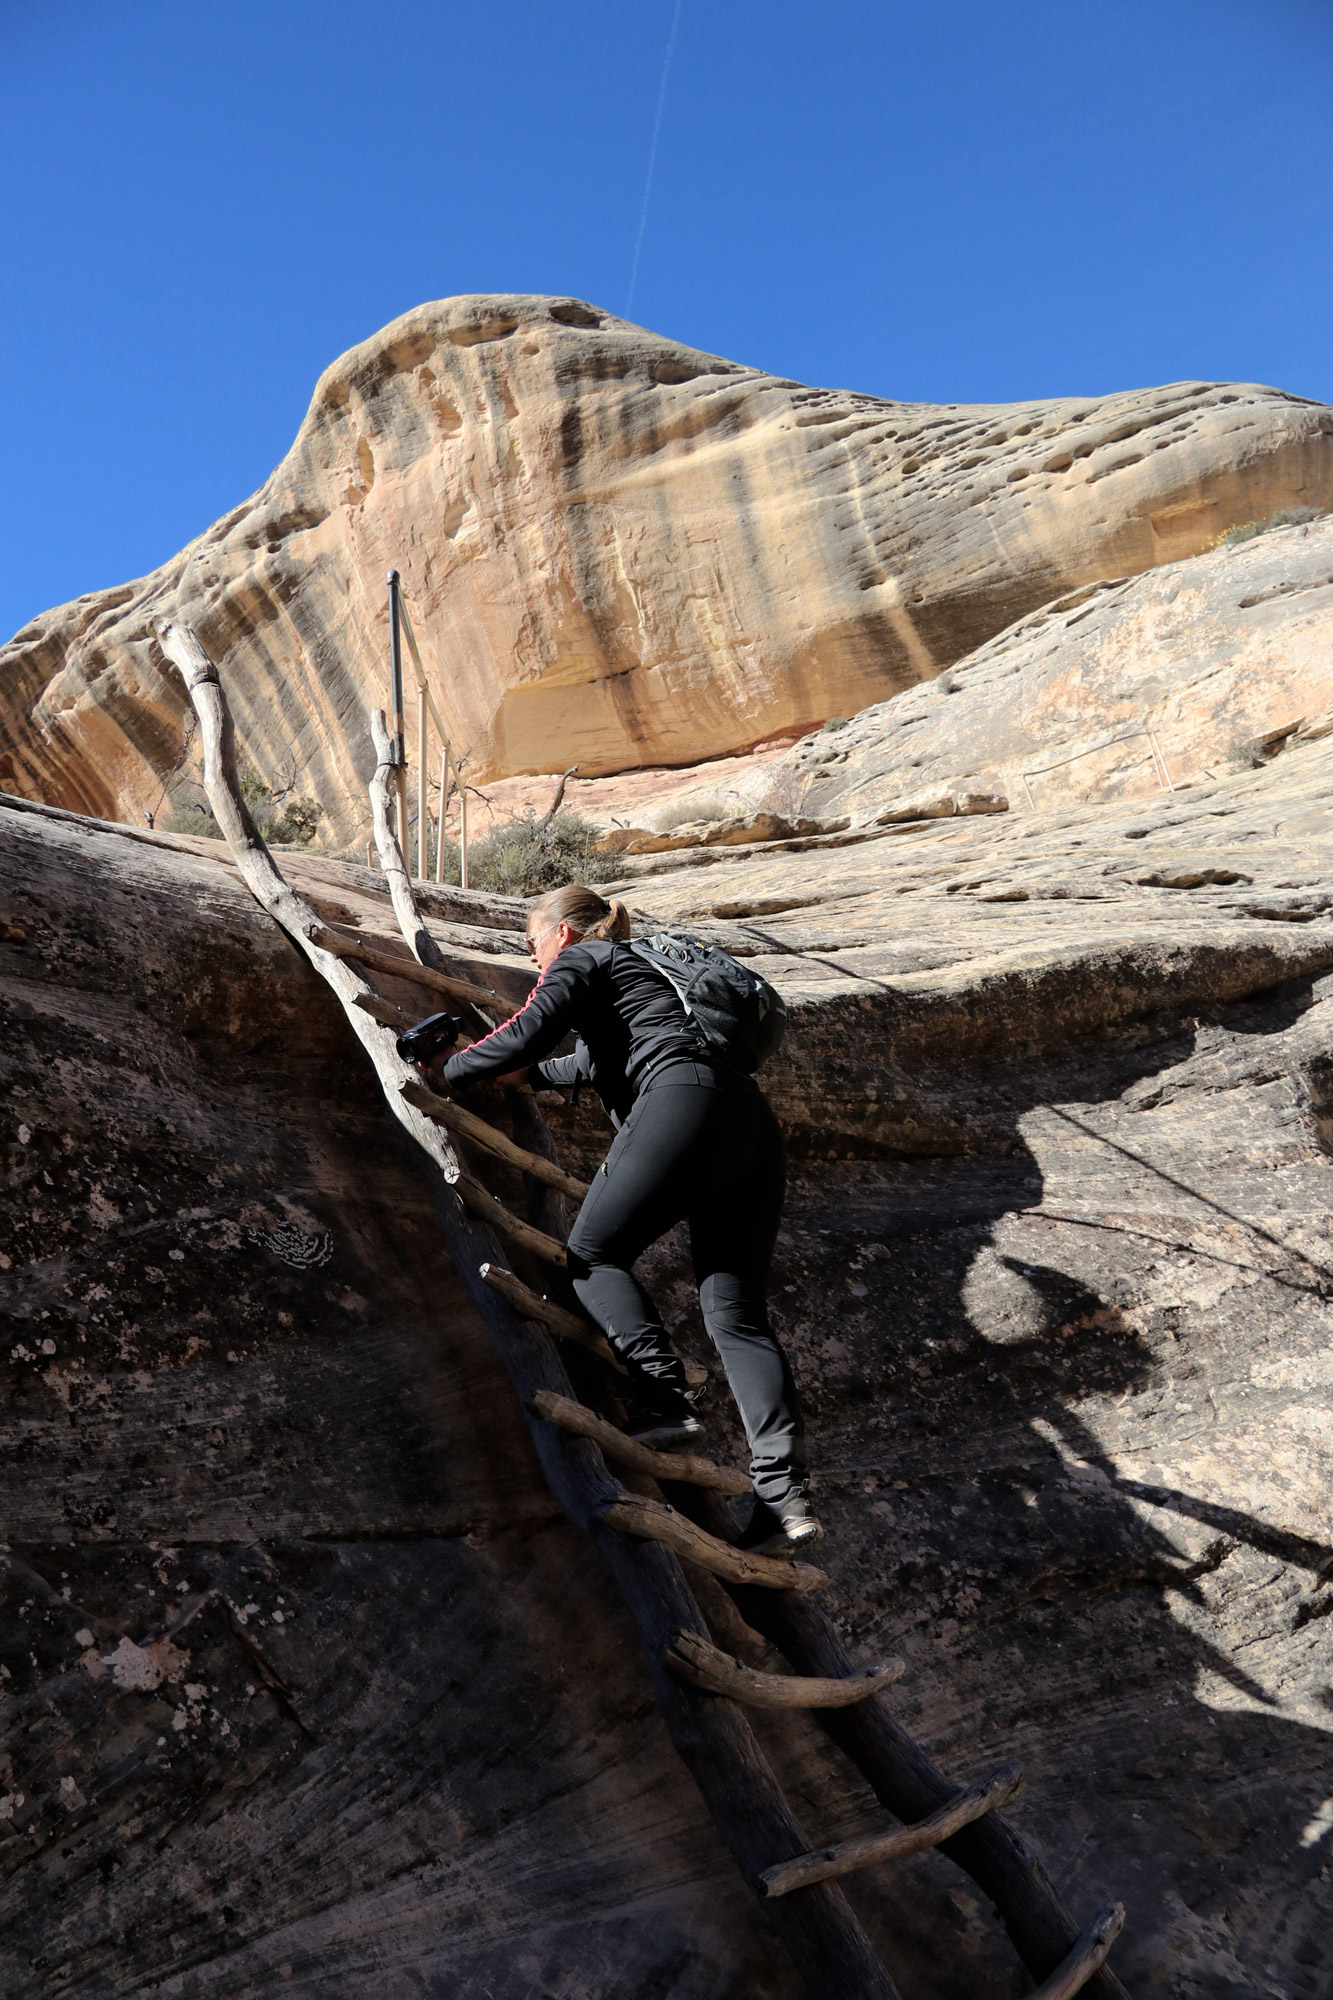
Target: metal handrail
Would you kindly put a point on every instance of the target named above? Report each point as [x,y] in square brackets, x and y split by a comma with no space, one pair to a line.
[1108,743]
[400,627]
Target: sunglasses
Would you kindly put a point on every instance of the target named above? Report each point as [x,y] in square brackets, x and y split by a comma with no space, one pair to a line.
[533,942]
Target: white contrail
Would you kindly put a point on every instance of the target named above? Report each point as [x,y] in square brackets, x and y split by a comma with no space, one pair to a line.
[652,156]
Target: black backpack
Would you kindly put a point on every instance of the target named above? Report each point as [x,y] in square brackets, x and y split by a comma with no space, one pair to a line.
[740,1016]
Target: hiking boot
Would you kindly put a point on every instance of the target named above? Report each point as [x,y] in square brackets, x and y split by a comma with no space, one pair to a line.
[781,1527]
[661,1428]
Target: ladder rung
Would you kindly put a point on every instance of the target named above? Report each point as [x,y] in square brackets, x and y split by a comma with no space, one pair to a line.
[386,1012]
[1086,1957]
[479,1201]
[403,966]
[531,1305]
[680,1465]
[635,1514]
[706,1666]
[444,1111]
[568,1325]
[822,1863]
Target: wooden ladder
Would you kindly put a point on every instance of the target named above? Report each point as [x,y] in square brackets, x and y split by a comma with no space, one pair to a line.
[646,1536]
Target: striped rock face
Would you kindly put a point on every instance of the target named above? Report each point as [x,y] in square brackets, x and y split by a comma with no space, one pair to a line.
[620,552]
[1128,690]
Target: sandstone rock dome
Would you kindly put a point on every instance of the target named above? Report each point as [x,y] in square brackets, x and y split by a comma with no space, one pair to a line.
[620,551]
[1055,1271]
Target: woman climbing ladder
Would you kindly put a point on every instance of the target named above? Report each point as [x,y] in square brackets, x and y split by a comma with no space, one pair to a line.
[695,1139]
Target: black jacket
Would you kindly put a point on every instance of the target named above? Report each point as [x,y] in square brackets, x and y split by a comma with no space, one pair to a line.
[629,1022]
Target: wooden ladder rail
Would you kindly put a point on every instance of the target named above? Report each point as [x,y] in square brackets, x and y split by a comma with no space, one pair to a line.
[912,1786]
[908,1782]
[817,1926]
[996,1856]
[903,1777]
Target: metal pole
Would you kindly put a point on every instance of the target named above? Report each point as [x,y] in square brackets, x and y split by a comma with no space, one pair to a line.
[423,816]
[444,800]
[1161,760]
[396,706]
[435,716]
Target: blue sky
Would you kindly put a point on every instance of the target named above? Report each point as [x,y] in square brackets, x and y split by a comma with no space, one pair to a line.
[972,201]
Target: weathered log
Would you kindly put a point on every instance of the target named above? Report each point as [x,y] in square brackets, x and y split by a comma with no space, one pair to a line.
[848,1855]
[906,1780]
[654,1520]
[260,874]
[578,1419]
[826,1942]
[482,1203]
[532,1306]
[446,756]
[1073,1974]
[439,819]
[423,818]
[556,802]
[707,1667]
[468,1126]
[818,1927]
[393,859]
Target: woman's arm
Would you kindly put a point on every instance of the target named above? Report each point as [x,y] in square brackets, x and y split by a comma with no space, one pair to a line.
[548,1014]
[562,1072]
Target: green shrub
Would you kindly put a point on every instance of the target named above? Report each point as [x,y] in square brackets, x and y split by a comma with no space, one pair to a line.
[1285,517]
[691,807]
[299,822]
[521,858]
[197,821]
[289,823]
[525,857]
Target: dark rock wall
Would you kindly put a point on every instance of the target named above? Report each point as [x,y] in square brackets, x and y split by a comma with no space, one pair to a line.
[1070,1411]
[420,1754]
[1066,1361]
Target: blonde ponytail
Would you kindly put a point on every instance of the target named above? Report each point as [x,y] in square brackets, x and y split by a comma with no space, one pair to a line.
[584,911]
[615,925]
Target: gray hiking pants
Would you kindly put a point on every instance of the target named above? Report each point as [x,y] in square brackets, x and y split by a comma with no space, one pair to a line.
[703,1145]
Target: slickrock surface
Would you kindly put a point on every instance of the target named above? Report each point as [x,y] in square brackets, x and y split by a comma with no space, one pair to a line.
[1070,1338]
[1119,691]
[620,552]
[1056,1279]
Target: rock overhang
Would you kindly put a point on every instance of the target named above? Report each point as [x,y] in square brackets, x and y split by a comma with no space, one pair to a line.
[621,551]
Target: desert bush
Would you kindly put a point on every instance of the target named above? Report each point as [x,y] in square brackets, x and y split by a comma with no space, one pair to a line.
[1285,517]
[528,855]
[299,821]
[281,821]
[197,821]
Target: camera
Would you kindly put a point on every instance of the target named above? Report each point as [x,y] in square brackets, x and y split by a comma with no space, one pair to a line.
[436,1032]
